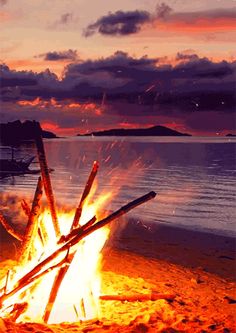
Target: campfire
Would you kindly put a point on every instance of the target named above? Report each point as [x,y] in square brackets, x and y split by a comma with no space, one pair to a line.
[57,277]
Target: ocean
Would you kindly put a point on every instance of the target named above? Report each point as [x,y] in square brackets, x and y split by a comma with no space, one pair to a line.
[194,177]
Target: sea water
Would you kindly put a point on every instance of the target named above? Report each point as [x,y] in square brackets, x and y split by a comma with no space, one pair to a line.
[195,178]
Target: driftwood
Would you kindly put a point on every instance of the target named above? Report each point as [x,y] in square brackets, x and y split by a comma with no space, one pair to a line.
[47,181]
[10,229]
[138,297]
[26,279]
[85,194]
[32,225]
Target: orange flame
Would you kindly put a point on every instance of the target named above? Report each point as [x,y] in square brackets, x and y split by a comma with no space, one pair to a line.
[78,296]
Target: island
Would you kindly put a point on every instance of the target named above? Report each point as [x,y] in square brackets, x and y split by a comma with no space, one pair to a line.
[150,131]
[15,132]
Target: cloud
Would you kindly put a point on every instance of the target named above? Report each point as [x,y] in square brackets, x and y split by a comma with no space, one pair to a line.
[135,80]
[65,18]
[63,22]
[186,56]
[123,89]
[70,55]
[119,23]
[163,11]
[123,23]
[3,2]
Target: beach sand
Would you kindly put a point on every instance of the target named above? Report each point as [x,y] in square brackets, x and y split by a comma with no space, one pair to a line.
[198,268]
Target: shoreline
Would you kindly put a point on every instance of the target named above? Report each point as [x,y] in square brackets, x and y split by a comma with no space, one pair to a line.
[178,245]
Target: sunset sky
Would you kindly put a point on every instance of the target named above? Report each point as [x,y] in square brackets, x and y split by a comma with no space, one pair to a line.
[83,65]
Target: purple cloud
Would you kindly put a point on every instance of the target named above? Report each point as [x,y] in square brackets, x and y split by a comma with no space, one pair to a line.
[70,55]
[119,23]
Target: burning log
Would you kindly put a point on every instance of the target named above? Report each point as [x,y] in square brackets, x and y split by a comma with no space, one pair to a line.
[7,279]
[56,285]
[85,194]
[25,207]
[62,272]
[27,279]
[17,310]
[47,181]
[74,232]
[10,229]
[41,229]
[138,297]
[32,225]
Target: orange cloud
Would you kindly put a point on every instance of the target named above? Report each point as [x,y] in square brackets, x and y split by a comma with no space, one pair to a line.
[86,107]
[53,103]
[128,125]
[61,131]
[35,102]
[4,16]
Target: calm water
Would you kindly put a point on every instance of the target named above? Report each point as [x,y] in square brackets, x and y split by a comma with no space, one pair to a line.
[195,178]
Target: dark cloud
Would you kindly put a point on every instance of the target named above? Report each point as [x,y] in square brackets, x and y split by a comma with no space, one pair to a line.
[65,18]
[163,11]
[119,23]
[3,2]
[125,23]
[136,88]
[63,22]
[186,57]
[70,55]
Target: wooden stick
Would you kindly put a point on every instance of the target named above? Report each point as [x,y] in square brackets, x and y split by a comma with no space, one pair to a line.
[65,238]
[81,234]
[41,274]
[43,231]
[7,279]
[25,207]
[138,297]
[32,225]
[56,285]
[46,180]
[85,194]
[9,228]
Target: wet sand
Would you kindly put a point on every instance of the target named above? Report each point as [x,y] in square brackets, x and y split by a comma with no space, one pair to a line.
[197,268]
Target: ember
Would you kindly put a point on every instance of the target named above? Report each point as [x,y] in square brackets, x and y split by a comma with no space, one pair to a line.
[57,278]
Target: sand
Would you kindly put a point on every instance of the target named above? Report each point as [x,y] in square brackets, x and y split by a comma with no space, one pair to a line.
[197,268]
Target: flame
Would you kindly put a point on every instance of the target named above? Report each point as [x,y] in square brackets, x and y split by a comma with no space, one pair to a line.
[78,295]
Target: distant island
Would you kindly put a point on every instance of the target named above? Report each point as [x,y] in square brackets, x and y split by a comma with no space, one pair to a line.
[16,132]
[151,131]
[230,134]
